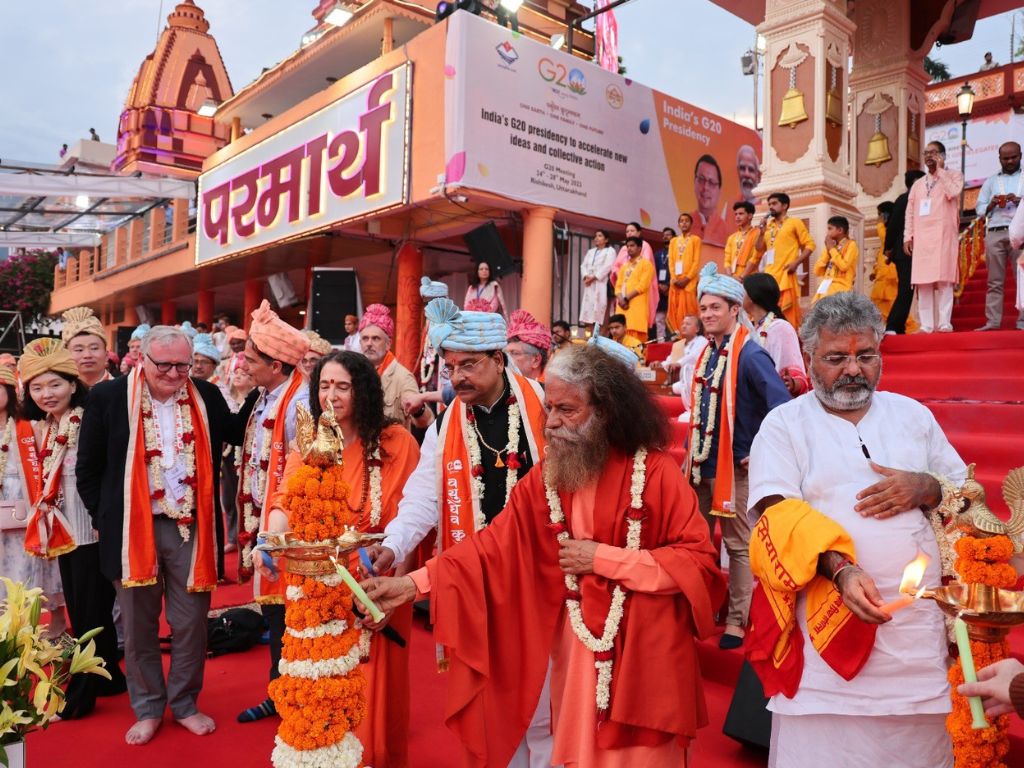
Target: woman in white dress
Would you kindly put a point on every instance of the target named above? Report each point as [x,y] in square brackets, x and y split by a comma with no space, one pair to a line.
[486,290]
[15,562]
[595,269]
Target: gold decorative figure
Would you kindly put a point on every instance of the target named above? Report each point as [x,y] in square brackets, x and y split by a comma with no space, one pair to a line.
[982,520]
[322,444]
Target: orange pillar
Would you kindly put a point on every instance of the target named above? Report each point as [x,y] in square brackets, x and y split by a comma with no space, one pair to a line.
[408,306]
[204,306]
[131,316]
[168,312]
[538,245]
[251,301]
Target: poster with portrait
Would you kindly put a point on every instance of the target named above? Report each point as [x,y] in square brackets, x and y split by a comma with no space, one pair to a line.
[538,125]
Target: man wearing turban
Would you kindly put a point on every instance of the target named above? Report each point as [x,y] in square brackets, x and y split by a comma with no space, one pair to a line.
[272,355]
[483,444]
[351,342]
[734,386]
[205,358]
[529,344]
[318,347]
[376,330]
[84,337]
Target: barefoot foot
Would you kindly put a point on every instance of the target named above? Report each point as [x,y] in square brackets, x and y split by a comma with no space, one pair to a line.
[142,731]
[199,724]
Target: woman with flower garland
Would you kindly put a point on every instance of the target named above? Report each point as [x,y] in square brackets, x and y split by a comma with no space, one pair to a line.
[379,456]
[15,562]
[59,524]
[600,563]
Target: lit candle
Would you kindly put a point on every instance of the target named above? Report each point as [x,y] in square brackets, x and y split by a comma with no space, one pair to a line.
[963,643]
[375,613]
[913,574]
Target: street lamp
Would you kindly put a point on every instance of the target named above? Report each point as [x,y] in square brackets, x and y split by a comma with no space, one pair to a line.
[964,106]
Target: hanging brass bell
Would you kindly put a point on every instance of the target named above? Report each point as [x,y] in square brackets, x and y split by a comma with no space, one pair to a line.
[913,146]
[878,150]
[793,111]
[833,108]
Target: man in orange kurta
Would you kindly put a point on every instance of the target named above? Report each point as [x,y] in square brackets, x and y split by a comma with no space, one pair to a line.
[683,266]
[786,245]
[539,583]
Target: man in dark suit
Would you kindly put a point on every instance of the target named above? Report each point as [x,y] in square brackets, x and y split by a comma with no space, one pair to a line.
[148,472]
[900,311]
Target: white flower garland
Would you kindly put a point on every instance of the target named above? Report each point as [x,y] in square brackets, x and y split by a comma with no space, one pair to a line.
[602,647]
[250,518]
[700,449]
[333,627]
[184,446]
[314,670]
[66,435]
[5,448]
[762,329]
[512,471]
[376,489]
[347,753]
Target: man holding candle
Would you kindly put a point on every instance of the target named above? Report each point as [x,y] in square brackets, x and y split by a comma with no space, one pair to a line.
[600,563]
[832,453]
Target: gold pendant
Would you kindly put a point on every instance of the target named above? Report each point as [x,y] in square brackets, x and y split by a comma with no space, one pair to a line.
[498,463]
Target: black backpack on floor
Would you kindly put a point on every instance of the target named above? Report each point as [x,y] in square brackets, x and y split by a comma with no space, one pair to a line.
[237,629]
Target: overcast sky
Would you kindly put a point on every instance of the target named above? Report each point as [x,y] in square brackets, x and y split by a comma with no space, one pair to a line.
[68,64]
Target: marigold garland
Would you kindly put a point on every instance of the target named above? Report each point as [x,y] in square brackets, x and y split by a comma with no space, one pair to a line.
[320,709]
[980,561]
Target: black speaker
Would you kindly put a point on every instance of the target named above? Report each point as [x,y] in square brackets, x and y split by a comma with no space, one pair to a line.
[334,294]
[485,244]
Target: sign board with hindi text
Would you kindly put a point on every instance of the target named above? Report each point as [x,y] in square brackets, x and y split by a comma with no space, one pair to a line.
[343,162]
[539,125]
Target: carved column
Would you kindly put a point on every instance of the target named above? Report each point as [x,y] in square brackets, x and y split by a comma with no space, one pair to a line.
[806,131]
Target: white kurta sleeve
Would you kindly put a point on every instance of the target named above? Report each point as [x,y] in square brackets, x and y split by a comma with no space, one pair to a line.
[417,511]
[774,468]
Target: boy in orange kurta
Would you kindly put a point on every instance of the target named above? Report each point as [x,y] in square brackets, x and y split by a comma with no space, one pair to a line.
[683,266]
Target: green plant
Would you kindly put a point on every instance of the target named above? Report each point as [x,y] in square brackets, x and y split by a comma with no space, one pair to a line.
[937,71]
[34,670]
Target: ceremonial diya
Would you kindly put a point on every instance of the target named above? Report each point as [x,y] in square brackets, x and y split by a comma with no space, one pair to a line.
[989,612]
[313,558]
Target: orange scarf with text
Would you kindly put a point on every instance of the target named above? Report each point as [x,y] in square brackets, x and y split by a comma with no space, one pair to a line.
[459,505]
[48,533]
[784,549]
[139,566]
[266,591]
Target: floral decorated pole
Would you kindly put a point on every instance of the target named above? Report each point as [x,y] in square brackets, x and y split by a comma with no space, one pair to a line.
[320,694]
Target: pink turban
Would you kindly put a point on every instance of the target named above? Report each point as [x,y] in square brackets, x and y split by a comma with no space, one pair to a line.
[379,315]
[234,333]
[522,326]
[275,338]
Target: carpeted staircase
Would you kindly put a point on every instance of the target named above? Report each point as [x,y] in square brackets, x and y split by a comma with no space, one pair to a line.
[970,308]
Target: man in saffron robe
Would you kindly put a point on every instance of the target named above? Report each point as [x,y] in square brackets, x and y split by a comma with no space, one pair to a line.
[786,245]
[734,385]
[740,257]
[633,230]
[632,294]
[480,448]
[849,672]
[272,356]
[538,583]
[683,265]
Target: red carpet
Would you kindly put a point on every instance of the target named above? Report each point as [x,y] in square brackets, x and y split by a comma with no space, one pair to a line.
[970,309]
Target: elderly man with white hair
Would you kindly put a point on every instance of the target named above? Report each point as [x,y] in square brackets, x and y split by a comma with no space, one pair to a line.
[148,472]
[599,568]
[845,481]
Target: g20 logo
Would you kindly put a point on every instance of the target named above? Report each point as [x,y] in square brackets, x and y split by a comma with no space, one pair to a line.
[560,75]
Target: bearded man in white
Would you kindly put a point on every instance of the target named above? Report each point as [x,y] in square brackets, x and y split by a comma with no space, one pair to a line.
[869,462]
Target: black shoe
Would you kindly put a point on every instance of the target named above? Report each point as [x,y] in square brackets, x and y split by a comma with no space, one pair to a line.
[80,699]
[115,686]
[730,642]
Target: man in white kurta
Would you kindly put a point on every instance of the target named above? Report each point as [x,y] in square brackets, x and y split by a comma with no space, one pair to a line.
[892,713]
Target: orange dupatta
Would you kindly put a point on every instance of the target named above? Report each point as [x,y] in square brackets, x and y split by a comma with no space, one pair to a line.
[725,481]
[48,533]
[784,550]
[459,506]
[389,358]
[265,591]
[742,256]
[138,547]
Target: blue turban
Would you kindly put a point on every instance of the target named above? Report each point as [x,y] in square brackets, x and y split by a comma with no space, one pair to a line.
[139,333]
[203,345]
[431,289]
[620,352]
[719,285]
[460,331]
[189,330]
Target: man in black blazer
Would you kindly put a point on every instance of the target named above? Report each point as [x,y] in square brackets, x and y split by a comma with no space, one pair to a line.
[900,310]
[140,432]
